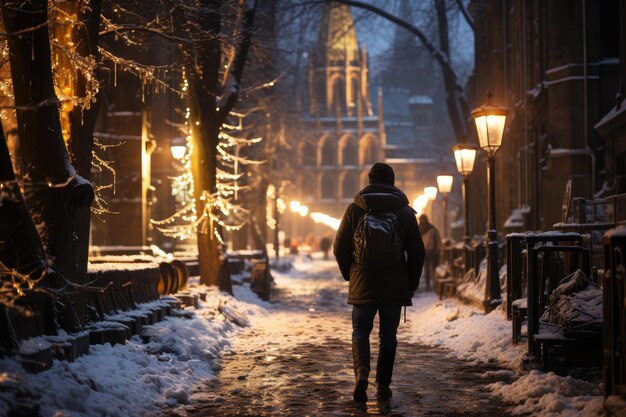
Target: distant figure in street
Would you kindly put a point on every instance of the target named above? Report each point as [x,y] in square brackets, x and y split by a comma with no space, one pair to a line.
[432,244]
[293,248]
[380,252]
[325,245]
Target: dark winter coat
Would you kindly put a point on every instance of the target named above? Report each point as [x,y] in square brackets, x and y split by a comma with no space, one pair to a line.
[368,284]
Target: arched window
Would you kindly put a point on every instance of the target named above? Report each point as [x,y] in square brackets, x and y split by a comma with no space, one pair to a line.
[349,151]
[307,188]
[338,96]
[320,94]
[349,185]
[369,150]
[329,186]
[356,92]
[328,152]
[364,179]
[306,155]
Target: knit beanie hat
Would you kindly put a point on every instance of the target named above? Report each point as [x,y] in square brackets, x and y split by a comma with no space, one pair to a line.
[381,174]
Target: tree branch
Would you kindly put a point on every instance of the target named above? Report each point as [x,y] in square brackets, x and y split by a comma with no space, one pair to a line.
[130,28]
[454,89]
[466,15]
[231,87]
[439,56]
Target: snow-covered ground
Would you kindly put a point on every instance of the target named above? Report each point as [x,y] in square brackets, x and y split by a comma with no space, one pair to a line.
[141,379]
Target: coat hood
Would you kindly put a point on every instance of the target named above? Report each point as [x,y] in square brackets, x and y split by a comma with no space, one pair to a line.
[381,197]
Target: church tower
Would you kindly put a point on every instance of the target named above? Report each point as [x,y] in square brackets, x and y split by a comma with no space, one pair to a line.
[342,137]
[338,73]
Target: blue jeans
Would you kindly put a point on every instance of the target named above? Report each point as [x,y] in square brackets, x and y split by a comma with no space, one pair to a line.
[363,322]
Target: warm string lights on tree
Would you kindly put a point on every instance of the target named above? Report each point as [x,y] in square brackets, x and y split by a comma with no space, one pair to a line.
[222,209]
[100,205]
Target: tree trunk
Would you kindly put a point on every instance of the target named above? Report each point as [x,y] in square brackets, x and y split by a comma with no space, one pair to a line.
[21,247]
[206,119]
[54,192]
[204,81]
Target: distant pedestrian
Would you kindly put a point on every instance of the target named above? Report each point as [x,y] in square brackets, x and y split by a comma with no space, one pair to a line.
[432,244]
[293,248]
[380,252]
[325,245]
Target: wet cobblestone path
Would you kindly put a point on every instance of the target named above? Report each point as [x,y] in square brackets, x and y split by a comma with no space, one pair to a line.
[279,371]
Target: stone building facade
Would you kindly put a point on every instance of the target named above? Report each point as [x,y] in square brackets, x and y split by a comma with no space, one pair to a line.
[555,65]
[343,137]
[346,128]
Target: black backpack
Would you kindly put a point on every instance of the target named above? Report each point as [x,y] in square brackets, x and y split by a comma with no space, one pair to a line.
[378,240]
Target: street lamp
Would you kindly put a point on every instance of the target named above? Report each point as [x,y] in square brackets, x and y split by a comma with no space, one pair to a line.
[490,120]
[303,211]
[444,182]
[431,193]
[464,155]
[420,203]
[294,206]
[178,148]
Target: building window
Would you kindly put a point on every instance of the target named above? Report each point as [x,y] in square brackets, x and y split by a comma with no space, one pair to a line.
[349,185]
[307,188]
[329,186]
[349,151]
[355,91]
[307,154]
[369,150]
[338,98]
[328,152]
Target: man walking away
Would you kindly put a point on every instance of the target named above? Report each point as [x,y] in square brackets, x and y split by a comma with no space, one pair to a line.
[380,252]
[432,244]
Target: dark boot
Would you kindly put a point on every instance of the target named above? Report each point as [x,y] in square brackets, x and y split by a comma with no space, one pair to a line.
[361,361]
[384,370]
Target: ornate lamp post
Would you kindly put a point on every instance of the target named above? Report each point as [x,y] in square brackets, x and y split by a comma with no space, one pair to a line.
[464,155]
[489,120]
[178,148]
[444,182]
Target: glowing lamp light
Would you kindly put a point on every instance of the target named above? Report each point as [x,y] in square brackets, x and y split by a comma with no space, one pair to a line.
[303,211]
[294,206]
[420,203]
[431,193]
[444,182]
[178,148]
[464,155]
[178,151]
[490,120]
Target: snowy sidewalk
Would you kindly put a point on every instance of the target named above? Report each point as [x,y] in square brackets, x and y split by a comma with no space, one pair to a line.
[294,359]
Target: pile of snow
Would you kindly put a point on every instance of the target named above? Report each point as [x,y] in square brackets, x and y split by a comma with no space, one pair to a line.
[465,331]
[135,378]
[540,394]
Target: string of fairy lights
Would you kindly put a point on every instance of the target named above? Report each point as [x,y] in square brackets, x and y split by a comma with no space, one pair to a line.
[221,210]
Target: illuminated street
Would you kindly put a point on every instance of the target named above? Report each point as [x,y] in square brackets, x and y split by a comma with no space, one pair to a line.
[208,206]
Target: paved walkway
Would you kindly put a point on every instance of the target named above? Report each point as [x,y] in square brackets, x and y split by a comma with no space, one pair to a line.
[297,362]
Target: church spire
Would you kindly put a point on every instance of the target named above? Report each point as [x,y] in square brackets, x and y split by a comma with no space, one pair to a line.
[337,36]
